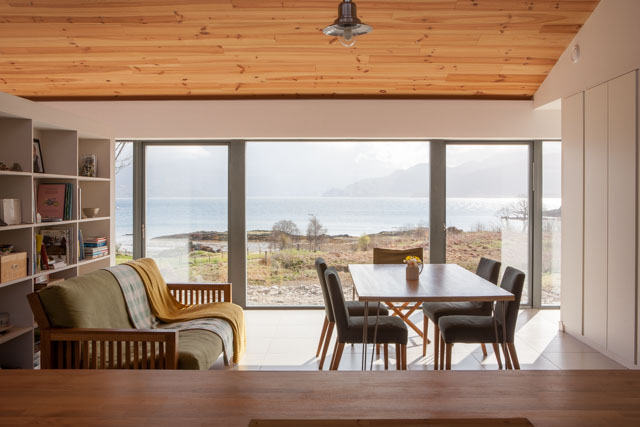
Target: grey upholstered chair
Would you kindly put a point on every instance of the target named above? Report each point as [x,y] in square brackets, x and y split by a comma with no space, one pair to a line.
[390,330]
[355,308]
[480,329]
[489,270]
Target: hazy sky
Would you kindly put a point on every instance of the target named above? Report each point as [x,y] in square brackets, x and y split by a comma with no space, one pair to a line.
[290,169]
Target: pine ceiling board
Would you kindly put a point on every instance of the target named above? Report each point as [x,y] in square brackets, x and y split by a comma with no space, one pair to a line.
[275,48]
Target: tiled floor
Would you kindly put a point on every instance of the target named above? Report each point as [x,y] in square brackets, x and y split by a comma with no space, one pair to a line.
[288,339]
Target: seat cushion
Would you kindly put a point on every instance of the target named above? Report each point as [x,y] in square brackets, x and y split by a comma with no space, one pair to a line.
[92,300]
[356,308]
[468,329]
[198,349]
[435,310]
[390,330]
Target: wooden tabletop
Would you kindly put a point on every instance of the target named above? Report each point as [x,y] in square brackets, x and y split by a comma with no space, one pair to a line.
[438,282]
[233,398]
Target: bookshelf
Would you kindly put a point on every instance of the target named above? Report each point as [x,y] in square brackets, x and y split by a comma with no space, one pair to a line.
[64,138]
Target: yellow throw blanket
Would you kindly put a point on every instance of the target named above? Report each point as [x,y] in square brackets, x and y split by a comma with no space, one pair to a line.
[166,308]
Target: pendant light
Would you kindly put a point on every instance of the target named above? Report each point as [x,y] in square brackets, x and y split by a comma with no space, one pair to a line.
[347,27]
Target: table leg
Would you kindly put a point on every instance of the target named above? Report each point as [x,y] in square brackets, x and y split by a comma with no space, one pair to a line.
[495,330]
[375,335]
[364,335]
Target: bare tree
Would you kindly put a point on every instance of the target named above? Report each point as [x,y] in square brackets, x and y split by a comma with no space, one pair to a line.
[518,211]
[316,233]
[284,233]
[124,158]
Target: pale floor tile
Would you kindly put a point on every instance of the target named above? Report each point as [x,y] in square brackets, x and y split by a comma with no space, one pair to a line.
[288,340]
[582,361]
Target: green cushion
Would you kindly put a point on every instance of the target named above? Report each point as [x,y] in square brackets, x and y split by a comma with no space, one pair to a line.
[198,349]
[92,300]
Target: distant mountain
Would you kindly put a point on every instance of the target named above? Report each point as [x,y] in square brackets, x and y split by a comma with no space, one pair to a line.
[412,182]
[503,176]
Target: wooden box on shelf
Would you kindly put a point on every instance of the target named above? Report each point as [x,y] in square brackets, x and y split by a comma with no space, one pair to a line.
[13,266]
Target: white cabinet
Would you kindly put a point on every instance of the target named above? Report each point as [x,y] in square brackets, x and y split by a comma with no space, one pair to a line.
[572,211]
[600,207]
[595,214]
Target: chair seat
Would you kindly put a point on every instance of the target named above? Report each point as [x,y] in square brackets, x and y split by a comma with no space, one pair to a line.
[356,308]
[468,329]
[391,330]
[436,310]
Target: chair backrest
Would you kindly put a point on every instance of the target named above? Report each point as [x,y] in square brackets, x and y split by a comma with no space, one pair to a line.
[340,312]
[489,270]
[321,267]
[512,281]
[395,256]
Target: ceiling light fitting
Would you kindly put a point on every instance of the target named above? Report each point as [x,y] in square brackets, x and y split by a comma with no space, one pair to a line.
[347,27]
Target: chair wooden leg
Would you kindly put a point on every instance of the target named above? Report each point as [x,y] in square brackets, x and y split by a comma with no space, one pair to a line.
[386,357]
[333,355]
[496,351]
[327,340]
[338,356]
[425,328]
[507,360]
[442,349]
[448,349]
[484,349]
[436,347]
[378,349]
[398,357]
[513,355]
[322,334]
[403,348]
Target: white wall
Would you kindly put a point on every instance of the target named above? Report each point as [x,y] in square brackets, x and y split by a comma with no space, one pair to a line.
[252,119]
[609,47]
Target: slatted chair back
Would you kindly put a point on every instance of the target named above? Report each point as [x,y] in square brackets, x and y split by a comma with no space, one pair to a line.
[395,256]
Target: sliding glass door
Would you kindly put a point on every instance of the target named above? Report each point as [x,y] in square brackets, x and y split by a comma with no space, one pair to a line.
[185,211]
[487,205]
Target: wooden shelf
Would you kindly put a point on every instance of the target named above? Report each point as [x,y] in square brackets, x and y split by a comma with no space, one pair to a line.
[16,227]
[54,176]
[92,178]
[13,282]
[54,223]
[14,173]
[98,218]
[90,261]
[45,272]
[14,332]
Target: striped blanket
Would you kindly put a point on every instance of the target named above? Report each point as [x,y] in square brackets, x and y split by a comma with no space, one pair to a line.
[135,296]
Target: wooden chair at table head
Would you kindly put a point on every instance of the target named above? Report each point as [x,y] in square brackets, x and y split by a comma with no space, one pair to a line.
[355,308]
[397,256]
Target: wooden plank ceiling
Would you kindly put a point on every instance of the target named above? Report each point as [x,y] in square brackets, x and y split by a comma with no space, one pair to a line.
[53,49]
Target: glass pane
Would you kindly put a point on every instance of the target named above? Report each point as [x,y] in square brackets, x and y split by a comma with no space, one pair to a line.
[488,206]
[124,201]
[186,211]
[336,200]
[551,221]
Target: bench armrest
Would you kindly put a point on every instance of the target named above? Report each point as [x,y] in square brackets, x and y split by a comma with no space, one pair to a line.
[75,348]
[200,293]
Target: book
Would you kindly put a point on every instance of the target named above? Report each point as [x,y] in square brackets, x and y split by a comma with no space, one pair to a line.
[51,201]
[80,245]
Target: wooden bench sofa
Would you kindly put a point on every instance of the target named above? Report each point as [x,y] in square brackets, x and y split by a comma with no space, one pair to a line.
[84,324]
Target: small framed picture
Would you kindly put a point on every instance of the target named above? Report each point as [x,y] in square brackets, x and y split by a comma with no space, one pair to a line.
[38,164]
[88,165]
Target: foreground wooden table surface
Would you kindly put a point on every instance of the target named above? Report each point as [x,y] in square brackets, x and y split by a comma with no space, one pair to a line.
[232,398]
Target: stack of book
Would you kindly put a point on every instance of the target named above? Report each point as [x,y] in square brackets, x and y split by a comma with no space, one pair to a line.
[54,247]
[55,202]
[95,247]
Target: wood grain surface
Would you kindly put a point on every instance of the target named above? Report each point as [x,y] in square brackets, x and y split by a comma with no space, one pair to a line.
[266,48]
[438,282]
[233,398]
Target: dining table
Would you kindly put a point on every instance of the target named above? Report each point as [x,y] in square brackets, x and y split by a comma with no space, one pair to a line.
[387,283]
